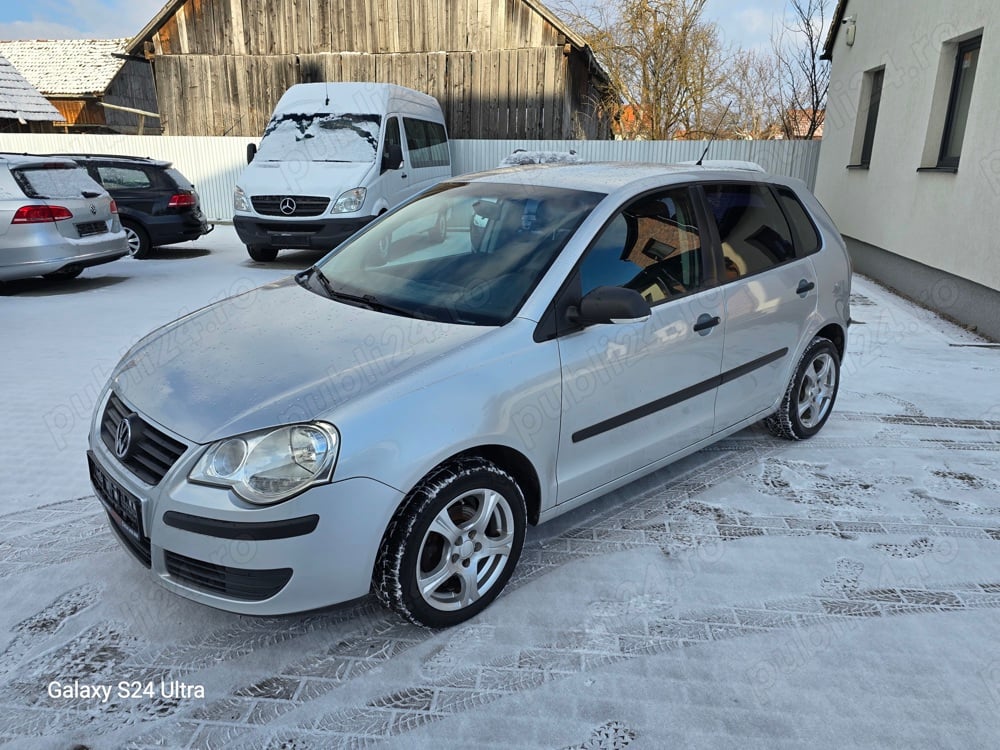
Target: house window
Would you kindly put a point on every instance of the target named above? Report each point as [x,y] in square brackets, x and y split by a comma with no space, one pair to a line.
[966,62]
[874,99]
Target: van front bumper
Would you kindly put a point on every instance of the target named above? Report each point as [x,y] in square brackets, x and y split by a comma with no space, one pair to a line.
[318,233]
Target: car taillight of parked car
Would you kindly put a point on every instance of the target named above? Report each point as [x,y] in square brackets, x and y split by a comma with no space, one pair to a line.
[40,214]
[181,200]
[114,206]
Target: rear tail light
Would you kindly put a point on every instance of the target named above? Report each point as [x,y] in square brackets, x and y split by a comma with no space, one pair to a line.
[181,200]
[114,206]
[40,214]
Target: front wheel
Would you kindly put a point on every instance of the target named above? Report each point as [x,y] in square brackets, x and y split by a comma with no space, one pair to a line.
[809,399]
[262,254]
[453,545]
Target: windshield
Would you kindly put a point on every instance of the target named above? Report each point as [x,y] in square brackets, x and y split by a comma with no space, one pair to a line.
[321,137]
[463,253]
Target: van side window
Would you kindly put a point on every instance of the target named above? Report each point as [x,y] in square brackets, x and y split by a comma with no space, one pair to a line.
[652,246]
[392,132]
[752,229]
[427,143]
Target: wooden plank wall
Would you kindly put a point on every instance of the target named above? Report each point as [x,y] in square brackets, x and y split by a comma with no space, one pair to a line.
[277,27]
[493,94]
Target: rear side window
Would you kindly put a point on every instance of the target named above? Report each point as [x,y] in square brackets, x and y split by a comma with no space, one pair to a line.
[752,229]
[56,181]
[124,178]
[427,143]
[806,237]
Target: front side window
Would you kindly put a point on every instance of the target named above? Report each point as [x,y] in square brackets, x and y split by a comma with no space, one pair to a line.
[966,63]
[427,143]
[752,229]
[652,246]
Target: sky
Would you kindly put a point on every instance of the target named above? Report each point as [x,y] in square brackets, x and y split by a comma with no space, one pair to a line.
[744,22]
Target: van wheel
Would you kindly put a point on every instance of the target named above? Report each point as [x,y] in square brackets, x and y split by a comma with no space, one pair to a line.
[453,545]
[137,239]
[809,399]
[262,254]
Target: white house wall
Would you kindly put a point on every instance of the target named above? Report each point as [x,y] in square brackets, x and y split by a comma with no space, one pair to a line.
[947,221]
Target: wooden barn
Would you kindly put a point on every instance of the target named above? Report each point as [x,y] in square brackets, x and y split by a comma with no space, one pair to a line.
[22,108]
[500,68]
[93,83]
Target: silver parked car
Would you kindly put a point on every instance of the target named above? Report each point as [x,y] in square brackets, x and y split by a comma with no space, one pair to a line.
[393,418]
[54,220]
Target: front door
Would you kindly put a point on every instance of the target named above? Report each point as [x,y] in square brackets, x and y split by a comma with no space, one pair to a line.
[635,393]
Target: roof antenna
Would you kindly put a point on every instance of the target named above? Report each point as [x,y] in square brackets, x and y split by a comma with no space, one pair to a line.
[326,85]
[712,139]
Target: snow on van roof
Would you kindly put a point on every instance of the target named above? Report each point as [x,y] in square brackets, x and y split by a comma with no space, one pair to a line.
[340,96]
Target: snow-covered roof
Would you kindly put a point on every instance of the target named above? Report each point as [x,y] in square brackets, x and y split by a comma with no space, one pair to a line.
[19,100]
[66,67]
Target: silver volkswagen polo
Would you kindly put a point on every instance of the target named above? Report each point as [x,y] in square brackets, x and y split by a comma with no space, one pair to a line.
[492,354]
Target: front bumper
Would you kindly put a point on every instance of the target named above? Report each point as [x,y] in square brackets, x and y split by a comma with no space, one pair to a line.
[319,233]
[206,544]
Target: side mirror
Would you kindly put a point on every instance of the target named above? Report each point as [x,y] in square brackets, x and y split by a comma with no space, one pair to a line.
[251,151]
[609,304]
[392,156]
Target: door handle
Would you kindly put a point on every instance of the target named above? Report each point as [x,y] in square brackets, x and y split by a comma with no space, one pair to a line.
[805,287]
[404,175]
[706,322]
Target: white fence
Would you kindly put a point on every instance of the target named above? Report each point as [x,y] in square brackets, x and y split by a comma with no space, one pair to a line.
[213,164]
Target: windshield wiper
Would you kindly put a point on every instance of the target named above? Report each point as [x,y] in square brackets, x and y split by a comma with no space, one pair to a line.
[369,301]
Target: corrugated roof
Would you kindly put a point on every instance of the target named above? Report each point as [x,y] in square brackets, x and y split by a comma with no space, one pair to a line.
[19,100]
[66,67]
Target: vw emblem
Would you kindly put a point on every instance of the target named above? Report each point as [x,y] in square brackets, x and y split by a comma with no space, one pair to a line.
[93,209]
[287,206]
[123,437]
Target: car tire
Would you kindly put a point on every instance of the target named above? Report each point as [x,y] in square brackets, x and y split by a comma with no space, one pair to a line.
[262,254]
[453,545]
[138,240]
[63,274]
[809,398]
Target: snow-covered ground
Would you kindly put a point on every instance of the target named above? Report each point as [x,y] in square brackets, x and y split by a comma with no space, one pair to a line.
[841,592]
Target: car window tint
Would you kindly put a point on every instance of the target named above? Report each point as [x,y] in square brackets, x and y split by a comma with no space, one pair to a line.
[806,237]
[426,142]
[752,229]
[652,246]
[124,178]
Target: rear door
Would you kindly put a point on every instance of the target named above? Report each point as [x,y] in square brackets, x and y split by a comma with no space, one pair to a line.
[769,295]
[634,393]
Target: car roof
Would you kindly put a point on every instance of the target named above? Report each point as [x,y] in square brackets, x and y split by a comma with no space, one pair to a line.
[607,177]
[19,160]
[146,160]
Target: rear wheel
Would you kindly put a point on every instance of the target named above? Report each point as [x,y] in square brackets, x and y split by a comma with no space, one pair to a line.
[453,545]
[809,399]
[262,254]
[138,240]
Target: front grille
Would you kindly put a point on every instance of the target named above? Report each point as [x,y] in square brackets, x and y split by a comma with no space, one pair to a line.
[304,205]
[235,583]
[152,452]
[90,228]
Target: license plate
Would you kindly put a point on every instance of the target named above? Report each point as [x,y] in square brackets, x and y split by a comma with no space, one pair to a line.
[290,240]
[123,507]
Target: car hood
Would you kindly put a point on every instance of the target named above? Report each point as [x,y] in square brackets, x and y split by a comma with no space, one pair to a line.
[275,355]
[302,177]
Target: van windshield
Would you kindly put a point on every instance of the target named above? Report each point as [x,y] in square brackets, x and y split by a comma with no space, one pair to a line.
[295,136]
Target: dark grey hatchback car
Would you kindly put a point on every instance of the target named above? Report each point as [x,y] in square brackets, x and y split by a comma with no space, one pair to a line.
[157,204]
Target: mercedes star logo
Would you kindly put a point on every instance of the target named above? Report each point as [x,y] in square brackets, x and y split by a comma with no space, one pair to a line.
[287,206]
[123,437]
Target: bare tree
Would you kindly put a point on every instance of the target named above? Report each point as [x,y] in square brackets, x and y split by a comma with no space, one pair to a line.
[804,78]
[753,90]
[666,64]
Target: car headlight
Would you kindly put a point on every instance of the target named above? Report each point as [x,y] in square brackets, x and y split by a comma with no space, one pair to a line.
[271,465]
[349,201]
[240,202]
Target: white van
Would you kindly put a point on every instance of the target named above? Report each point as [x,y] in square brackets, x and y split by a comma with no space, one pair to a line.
[333,157]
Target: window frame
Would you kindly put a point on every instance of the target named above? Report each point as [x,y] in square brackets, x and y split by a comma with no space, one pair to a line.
[951,162]
[871,116]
